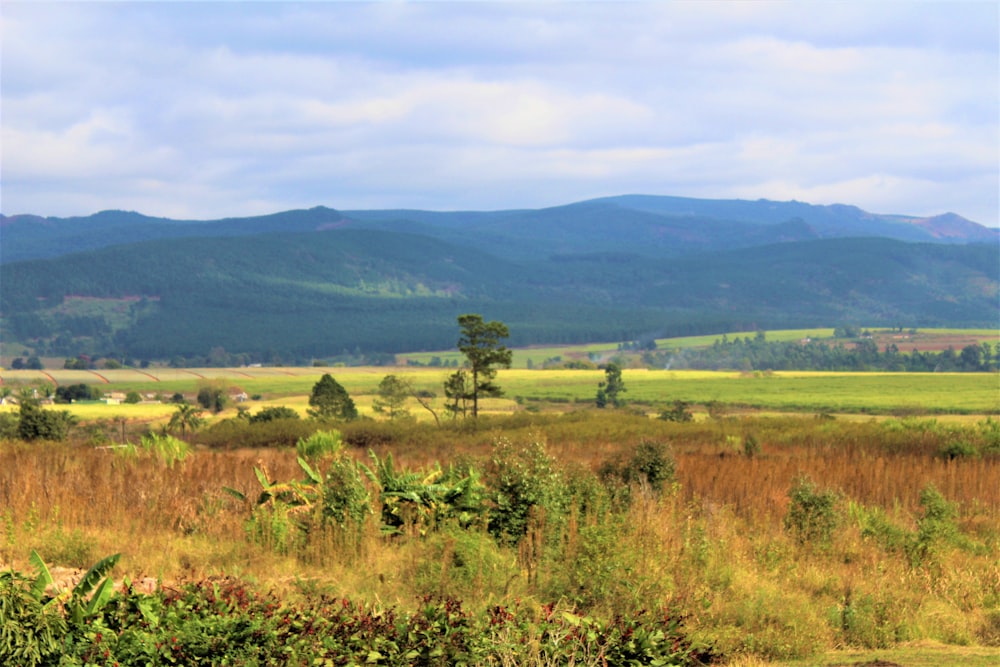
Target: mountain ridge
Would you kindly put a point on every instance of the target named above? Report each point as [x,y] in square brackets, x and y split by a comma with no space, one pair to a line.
[650,224]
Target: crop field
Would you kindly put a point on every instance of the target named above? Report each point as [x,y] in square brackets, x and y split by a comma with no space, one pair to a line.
[873,393]
[923,340]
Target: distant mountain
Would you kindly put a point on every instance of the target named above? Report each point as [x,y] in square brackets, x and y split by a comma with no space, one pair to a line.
[329,283]
[647,225]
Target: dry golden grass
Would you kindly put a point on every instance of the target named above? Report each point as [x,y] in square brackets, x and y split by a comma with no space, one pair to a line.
[716,547]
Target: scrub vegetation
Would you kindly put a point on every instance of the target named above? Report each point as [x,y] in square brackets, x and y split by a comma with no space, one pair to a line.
[592,516]
[593,537]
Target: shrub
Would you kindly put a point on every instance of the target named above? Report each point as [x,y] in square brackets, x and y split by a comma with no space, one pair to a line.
[240,433]
[935,528]
[346,499]
[36,423]
[273,413]
[959,450]
[679,412]
[812,513]
[32,631]
[649,466]
[521,480]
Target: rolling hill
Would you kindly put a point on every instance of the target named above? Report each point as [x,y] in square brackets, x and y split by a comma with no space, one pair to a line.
[322,283]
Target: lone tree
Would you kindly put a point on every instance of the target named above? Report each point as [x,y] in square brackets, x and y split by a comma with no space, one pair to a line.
[329,400]
[608,391]
[480,343]
[392,394]
[186,417]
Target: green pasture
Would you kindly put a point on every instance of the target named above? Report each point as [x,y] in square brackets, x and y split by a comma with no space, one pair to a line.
[877,393]
[603,351]
[977,393]
[600,352]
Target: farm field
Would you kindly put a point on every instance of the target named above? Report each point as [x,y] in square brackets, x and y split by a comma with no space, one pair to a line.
[859,393]
[923,340]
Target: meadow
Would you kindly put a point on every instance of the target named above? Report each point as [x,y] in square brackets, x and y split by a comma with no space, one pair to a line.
[650,390]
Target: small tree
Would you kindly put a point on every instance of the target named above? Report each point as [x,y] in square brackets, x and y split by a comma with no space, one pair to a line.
[609,390]
[392,394]
[186,417]
[329,400]
[212,396]
[480,343]
[37,423]
[458,393]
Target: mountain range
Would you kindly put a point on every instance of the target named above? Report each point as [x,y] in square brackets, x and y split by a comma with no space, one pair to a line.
[322,282]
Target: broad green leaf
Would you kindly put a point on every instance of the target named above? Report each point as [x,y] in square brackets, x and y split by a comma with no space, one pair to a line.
[43,578]
[95,574]
[313,475]
[100,596]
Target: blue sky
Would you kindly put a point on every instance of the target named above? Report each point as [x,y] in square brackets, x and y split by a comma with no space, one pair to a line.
[208,110]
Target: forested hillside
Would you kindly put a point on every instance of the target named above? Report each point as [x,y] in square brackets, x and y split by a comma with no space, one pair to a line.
[293,296]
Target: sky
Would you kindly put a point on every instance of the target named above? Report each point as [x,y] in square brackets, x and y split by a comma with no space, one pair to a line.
[205,110]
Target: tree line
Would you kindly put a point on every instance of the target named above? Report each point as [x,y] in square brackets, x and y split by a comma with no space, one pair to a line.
[863,354]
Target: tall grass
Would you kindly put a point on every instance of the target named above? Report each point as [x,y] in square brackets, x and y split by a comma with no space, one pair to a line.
[900,563]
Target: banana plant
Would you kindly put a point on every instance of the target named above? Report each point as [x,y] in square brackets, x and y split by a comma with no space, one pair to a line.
[85,599]
[423,499]
[297,493]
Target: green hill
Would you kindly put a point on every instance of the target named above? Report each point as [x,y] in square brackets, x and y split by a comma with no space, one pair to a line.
[302,294]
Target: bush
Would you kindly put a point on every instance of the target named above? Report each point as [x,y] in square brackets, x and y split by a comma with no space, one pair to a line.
[679,412]
[959,450]
[649,466]
[346,499]
[812,513]
[273,413]
[521,480]
[36,423]
[240,433]
[32,632]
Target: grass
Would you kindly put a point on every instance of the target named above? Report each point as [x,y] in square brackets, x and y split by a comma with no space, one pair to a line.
[714,545]
[963,393]
[915,654]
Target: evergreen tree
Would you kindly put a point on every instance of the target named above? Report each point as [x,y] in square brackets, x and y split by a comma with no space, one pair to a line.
[392,394]
[329,400]
[480,343]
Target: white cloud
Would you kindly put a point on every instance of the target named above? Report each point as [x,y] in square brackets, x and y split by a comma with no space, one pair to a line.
[219,109]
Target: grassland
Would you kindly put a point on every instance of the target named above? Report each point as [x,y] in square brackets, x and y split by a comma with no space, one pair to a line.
[716,544]
[651,390]
[898,580]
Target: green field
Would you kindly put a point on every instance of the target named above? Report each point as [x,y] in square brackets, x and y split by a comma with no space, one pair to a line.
[600,352]
[874,393]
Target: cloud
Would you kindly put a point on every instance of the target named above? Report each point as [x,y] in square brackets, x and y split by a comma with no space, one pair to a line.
[205,110]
